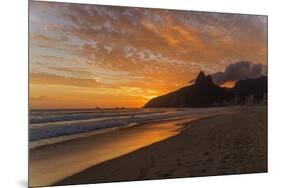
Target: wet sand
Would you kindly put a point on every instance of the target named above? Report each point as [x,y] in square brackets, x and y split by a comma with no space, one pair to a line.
[49,164]
[221,145]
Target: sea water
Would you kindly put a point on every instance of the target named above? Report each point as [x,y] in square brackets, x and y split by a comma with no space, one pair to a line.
[52,126]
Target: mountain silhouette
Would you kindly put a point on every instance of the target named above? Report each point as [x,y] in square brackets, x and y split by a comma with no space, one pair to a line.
[203,80]
[204,93]
[257,88]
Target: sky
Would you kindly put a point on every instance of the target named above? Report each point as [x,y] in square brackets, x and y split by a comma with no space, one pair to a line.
[87,56]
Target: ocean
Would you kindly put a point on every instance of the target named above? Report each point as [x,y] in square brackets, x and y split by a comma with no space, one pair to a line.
[71,146]
[52,126]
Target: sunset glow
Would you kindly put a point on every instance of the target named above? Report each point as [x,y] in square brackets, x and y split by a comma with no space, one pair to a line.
[87,56]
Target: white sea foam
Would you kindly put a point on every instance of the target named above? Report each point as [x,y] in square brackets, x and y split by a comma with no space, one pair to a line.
[53,126]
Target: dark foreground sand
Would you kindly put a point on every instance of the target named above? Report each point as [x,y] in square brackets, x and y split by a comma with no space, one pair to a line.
[227,144]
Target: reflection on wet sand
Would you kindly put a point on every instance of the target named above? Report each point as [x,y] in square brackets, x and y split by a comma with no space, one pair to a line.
[52,163]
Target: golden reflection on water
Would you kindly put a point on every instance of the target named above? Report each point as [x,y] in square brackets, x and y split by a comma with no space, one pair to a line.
[53,163]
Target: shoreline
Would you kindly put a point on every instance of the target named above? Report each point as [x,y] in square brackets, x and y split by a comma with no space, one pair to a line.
[221,145]
[62,140]
[73,137]
[51,163]
[38,144]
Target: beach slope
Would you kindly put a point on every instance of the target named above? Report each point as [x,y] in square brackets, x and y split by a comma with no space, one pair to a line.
[227,144]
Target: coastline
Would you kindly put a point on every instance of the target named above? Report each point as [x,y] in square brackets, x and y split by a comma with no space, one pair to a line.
[60,128]
[222,145]
[50,142]
[51,163]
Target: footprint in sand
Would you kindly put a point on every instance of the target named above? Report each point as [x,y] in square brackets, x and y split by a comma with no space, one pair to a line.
[203,170]
[226,157]
[152,164]
[206,153]
[143,173]
[179,162]
[165,175]
[182,148]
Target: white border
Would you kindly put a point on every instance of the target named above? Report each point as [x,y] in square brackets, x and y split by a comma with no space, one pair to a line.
[14,90]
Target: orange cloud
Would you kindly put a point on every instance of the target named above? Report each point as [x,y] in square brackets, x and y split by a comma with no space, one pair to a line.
[51,79]
[107,49]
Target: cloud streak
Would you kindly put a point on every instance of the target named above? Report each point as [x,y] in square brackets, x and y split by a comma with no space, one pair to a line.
[51,79]
[158,49]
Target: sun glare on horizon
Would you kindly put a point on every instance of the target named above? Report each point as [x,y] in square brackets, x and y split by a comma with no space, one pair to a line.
[87,56]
